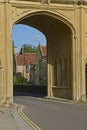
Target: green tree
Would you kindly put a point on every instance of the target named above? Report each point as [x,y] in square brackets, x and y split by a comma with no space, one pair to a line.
[19,79]
[28,48]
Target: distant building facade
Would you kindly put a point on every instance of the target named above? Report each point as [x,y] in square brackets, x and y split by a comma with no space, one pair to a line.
[25,64]
[41,66]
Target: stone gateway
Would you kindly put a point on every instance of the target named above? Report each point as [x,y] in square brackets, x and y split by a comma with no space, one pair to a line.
[64,23]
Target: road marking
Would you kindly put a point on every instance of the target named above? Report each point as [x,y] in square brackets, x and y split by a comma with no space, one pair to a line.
[32,124]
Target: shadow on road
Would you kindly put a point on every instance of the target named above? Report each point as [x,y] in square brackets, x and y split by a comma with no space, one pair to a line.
[28,94]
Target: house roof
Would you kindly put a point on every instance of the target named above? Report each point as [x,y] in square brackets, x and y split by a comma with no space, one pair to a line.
[26,59]
[43,51]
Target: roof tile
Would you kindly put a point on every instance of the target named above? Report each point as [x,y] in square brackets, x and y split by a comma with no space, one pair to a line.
[26,59]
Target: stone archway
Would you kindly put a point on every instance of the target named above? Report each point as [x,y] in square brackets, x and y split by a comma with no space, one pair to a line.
[65,46]
[59,45]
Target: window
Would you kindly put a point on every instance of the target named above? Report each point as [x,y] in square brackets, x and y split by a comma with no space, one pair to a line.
[60,72]
[27,68]
[64,72]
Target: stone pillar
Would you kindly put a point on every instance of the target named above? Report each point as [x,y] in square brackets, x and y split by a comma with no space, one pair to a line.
[76,70]
[1,82]
[49,80]
[83,49]
[59,73]
[81,78]
[2,55]
[9,51]
[73,71]
[77,56]
[64,73]
[6,54]
[50,65]
[69,84]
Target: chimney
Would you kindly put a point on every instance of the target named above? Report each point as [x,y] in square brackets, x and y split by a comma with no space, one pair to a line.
[15,50]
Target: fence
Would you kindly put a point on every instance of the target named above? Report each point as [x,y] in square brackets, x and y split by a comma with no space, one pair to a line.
[42,90]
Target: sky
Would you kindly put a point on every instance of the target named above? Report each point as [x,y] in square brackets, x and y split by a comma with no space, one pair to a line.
[23,34]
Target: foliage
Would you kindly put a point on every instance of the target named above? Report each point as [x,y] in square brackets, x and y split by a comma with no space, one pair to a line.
[19,79]
[18,74]
[28,48]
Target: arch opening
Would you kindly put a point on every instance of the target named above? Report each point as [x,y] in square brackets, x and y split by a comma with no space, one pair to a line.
[59,53]
[29,60]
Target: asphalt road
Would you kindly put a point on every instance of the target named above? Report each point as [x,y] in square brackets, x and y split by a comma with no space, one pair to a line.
[54,115]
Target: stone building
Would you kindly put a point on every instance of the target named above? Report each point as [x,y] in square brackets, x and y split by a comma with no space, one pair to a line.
[25,64]
[41,66]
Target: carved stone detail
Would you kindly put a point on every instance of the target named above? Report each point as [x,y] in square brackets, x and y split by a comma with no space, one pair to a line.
[0,63]
[86,34]
[65,13]
[85,11]
[17,13]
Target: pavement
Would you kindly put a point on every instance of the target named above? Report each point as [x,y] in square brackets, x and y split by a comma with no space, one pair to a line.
[11,119]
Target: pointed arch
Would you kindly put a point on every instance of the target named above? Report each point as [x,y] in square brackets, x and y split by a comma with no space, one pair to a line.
[55,15]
